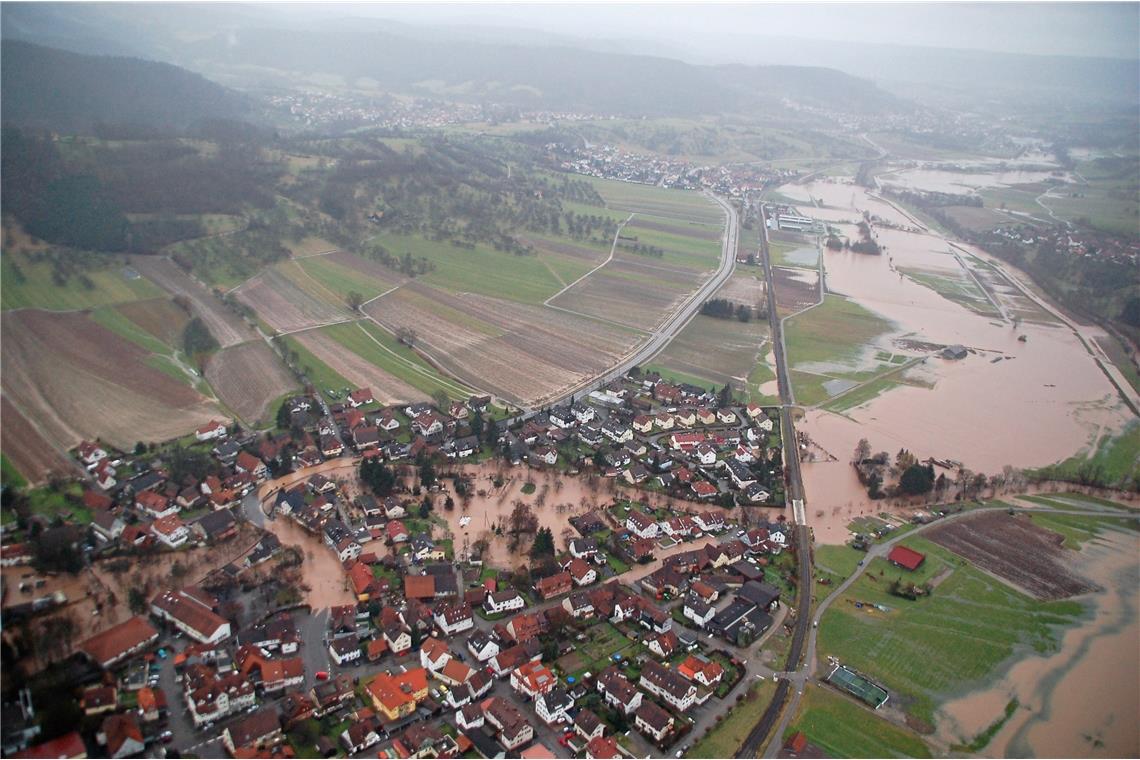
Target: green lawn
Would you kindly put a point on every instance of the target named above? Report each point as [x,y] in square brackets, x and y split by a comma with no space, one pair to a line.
[724,739]
[1078,530]
[861,395]
[24,284]
[843,728]
[955,640]
[679,250]
[378,347]
[50,503]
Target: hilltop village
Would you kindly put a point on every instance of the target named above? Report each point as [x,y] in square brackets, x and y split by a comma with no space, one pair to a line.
[626,635]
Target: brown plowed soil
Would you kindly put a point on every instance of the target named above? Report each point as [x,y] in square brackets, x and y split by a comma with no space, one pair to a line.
[1029,558]
[248,377]
[158,316]
[361,373]
[227,327]
[25,448]
[80,380]
[284,306]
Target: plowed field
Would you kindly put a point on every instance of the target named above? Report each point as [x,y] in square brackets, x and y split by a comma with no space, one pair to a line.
[79,380]
[1017,551]
[227,327]
[357,370]
[25,448]
[521,352]
[284,306]
[248,377]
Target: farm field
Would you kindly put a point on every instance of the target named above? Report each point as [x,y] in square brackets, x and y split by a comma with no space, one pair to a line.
[487,341]
[796,289]
[957,288]
[159,317]
[331,280]
[681,250]
[842,727]
[746,286]
[677,204]
[930,650]
[32,456]
[526,279]
[25,284]
[1114,459]
[284,306]
[399,362]
[1029,558]
[81,380]
[715,351]
[323,377]
[830,347]
[226,326]
[247,378]
[345,358]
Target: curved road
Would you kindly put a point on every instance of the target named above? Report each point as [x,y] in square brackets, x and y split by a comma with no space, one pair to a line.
[669,329]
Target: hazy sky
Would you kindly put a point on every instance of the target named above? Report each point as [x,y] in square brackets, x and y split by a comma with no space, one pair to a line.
[719,30]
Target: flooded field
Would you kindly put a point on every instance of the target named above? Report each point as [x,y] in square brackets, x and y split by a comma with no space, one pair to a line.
[1083,700]
[964,182]
[1028,393]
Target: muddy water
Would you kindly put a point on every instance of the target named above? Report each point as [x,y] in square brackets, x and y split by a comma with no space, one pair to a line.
[942,181]
[328,585]
[1082,701]
[1041,401]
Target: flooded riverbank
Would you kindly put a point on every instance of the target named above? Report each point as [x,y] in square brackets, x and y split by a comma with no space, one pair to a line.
[1083,700]
[1027,394]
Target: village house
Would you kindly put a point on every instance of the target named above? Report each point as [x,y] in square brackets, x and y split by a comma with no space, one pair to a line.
[617,691]
[454,618]
[532,678]
[360,397]
[552,706]
[514,730]
[641,524]
[705,672]
[503,601]
[155,505]
[260,730]
[121,735]
[665,683]
[588,725]
[653,721]
[191,611]
[481,646]
[248,463]
[554,585]
[344,650]
[397,695]
[170,531]
[581,572]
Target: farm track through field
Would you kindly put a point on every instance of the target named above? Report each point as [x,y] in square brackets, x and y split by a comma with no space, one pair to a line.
[227,327]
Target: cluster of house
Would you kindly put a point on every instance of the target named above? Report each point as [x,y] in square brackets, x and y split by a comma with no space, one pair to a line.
[361,426]
[670,436]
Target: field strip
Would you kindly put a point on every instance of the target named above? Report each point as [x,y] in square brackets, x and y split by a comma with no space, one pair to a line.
[876,378]
[336,298]
[613,247]
[985,291]
[555,274]
[436,377]
[603,320]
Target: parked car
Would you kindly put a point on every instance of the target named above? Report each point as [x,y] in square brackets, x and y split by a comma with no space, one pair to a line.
[322,675]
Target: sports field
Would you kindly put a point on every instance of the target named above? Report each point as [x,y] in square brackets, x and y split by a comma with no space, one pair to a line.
[858,686]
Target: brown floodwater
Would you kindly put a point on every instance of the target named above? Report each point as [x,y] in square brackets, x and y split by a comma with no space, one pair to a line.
[1084,699]
[1009,402]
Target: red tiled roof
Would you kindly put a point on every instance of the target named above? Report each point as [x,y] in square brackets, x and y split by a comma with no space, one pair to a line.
[907,558]
[116,642]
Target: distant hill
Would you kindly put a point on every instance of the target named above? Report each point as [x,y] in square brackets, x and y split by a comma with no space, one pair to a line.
[555,77]
[46,88]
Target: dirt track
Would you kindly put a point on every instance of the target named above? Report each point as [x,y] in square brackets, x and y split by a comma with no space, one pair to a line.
[226,327]
[1017,551]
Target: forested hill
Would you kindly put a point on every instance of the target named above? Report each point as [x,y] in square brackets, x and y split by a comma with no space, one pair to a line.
[67,92]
